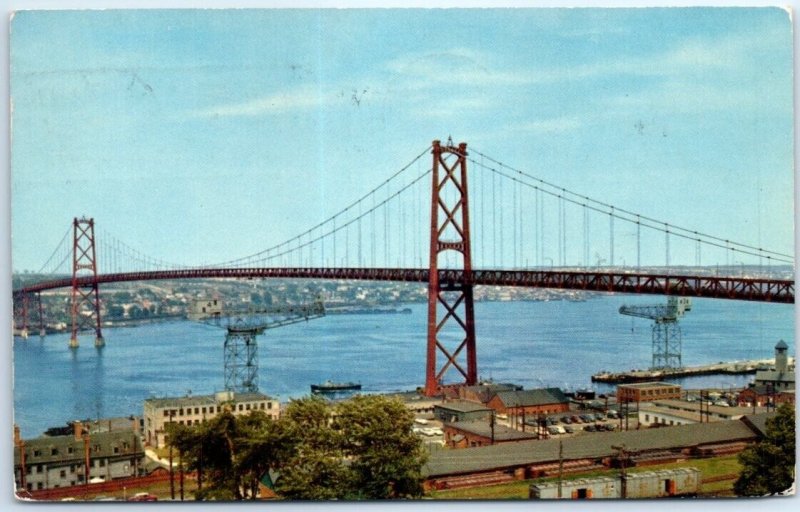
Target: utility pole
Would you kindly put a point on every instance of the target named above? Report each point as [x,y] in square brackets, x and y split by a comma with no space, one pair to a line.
[171,473]
[560,466]
[180,471]
[622,455]
[492,425]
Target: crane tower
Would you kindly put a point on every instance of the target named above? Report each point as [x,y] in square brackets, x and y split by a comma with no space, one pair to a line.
[243,326]
[666,330]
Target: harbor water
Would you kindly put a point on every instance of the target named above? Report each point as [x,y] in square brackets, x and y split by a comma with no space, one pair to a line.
[535,344]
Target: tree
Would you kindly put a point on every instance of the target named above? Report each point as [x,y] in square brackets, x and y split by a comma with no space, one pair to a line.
[768,465]
[362,448]
[358,449]
[386,455]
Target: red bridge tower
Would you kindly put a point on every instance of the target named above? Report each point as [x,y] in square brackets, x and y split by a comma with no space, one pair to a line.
[85,298]
[451,316]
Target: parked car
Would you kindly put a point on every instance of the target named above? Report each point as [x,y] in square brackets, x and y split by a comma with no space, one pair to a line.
[143,496]
[553,431]
[590,428]
[569,430]
[566,419]
[575,419]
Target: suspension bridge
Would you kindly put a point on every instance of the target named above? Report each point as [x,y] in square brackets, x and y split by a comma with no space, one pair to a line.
[513,229]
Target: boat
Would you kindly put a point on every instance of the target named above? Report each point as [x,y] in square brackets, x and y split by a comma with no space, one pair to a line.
[332,387]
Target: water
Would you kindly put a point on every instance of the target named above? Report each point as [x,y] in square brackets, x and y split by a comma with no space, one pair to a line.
[530,343]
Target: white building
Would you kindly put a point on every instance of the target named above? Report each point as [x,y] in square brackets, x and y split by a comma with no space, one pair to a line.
[193,410]
[678,412]
[782,376]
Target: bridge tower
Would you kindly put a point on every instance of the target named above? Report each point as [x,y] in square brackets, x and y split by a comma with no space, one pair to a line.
[24,305]
[85,297]
[451,318]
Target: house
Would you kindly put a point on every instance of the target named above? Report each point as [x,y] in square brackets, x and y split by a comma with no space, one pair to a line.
[49,462]
[529,402]
[193,410]
[647,392]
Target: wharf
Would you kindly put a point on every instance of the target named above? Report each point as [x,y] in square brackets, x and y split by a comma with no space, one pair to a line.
[721,368]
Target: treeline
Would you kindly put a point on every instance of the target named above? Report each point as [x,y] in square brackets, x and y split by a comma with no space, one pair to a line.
[362,448]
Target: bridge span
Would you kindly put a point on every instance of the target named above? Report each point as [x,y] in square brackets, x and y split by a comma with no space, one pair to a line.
[734,288]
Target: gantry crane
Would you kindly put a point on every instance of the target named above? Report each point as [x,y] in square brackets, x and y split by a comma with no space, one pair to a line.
[666,330]
[243,326]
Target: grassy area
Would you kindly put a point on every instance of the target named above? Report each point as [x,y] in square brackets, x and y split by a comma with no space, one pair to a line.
[709,468]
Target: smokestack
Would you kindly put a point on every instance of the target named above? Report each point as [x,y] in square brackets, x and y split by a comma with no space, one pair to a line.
[78,430]
[17,437]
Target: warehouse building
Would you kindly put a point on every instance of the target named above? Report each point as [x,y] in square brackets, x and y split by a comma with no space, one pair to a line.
[679,412]
[647,392]
[533,459]
[469,434]
[461,410]
[530,402]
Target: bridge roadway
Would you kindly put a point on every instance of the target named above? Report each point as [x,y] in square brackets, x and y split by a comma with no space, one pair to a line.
[736,288]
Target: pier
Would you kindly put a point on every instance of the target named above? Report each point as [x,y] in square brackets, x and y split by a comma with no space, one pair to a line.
[721,368]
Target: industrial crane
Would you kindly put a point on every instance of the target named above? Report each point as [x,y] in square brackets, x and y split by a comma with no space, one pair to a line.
[666,330]
[243,326]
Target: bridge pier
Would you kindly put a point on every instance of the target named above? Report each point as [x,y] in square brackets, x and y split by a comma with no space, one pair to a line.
[99,342]
[73,342]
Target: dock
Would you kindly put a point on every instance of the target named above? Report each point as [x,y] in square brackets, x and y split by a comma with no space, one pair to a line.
[721,368]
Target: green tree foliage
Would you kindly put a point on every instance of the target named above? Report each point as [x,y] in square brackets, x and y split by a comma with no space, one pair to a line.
[359,449]
[768,465]
[386,457]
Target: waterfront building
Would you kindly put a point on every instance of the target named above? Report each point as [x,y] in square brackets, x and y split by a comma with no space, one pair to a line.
[49,462]
[679,412]
[520,460]
[461,410]
[530,402]
[761,396]
[782,376]
[647,392]
[484,391]
[419,404]
[469,434]
[193,410]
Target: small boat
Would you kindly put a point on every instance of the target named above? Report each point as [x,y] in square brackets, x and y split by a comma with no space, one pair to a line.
[332,387]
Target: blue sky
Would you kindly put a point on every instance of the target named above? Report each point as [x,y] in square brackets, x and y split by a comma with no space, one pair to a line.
[207,135]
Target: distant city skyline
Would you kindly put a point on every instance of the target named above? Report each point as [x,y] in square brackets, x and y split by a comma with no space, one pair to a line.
[199,136]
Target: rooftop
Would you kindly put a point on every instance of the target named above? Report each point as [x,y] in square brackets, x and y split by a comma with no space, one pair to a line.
[462,406]
[199,400]
[484,429]
[532,397]
[590,445]
[648,385]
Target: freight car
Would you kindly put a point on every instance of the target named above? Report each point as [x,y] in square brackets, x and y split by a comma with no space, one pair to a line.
[649,484]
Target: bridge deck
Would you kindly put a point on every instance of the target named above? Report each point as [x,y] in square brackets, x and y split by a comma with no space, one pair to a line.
[735,288]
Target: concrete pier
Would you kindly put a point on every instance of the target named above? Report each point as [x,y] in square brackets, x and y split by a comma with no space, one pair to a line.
[721,368]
